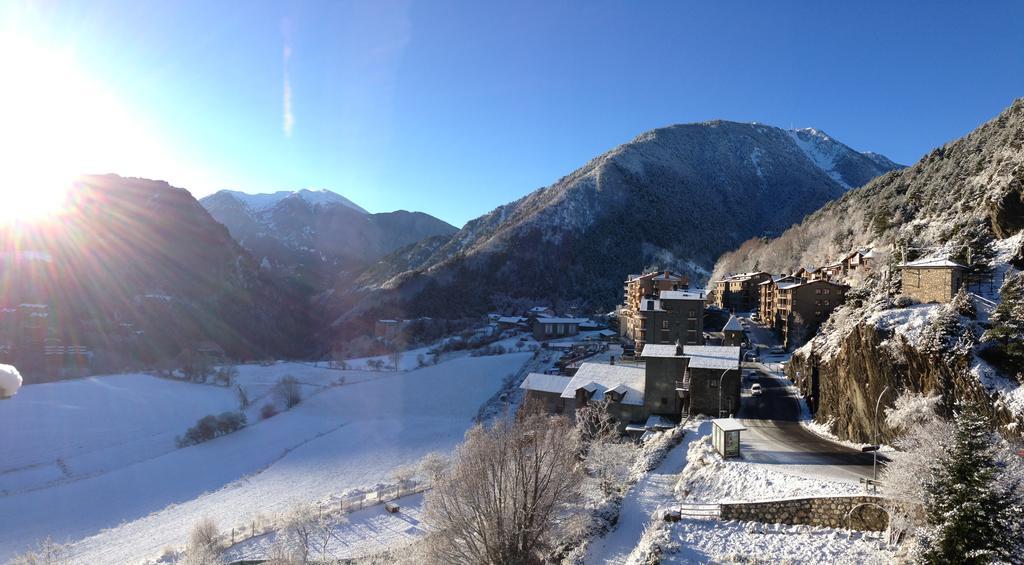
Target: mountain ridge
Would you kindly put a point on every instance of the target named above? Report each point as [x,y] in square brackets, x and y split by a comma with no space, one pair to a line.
[670,187]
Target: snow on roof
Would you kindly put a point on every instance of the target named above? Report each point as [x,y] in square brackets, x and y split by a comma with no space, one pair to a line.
[713,357]
[608,333]
[733,325]
[387,321]
[545,383]
[934,263]
[561,320]
[540,309]
[659,423]
[598,377]
[660,350]
[510,319]
[788,285]
[728,425]
[695,294]
[618,389]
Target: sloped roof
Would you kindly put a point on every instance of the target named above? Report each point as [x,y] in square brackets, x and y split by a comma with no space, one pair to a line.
[561,320]
[599,378]
[733,325]
[713,357]
[510,319]
[545,383]
[660,350]
[934,263]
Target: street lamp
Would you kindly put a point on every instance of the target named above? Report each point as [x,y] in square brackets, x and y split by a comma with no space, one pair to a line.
[874,453]
[720,379]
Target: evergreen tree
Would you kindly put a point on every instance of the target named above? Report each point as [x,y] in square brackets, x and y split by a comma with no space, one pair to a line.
[973,515]
[1007,333]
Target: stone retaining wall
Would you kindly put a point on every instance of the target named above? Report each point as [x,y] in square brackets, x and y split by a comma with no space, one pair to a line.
[825,511]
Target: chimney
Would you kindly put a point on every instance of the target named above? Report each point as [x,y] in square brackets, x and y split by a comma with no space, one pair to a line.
[679,347]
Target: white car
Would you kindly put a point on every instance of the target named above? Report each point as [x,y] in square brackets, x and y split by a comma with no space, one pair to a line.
[755,389]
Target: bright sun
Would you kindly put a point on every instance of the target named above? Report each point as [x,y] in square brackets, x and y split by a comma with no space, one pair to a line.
[57,123]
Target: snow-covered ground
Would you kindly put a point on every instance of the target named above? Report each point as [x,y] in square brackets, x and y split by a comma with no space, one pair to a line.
[128,492]
[365,532]
[707,478]
[706,541]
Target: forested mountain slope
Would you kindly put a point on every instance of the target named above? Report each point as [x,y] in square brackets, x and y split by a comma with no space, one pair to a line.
[674,197]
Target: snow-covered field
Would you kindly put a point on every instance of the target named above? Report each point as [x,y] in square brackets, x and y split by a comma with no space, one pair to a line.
[94,460]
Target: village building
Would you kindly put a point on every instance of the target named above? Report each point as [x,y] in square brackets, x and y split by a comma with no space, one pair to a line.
[540,312]
[510,322]
[551,328]
[932,280]
[860,260]
[386,330]
[738,293]
[732,333]
[664,318]
[767,291]
[675,380]
[801,307]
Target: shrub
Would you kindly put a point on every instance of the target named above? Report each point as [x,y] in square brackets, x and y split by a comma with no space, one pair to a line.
[268,411]
[209,427]
[288,391]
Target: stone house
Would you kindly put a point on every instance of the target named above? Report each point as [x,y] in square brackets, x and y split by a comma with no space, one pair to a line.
[732,333]
[546,391]
[664,317]
[656,390]
[386,330]
[767,292]
[932,280]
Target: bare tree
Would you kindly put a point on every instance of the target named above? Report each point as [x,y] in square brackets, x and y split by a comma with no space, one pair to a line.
[303,538]
[288,391]
[46,552]
[500,502]
[403,475]
[203,545]
[395,356]
[595,423]
[433,465]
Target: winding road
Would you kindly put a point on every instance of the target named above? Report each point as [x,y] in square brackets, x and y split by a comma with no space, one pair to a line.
[775,436]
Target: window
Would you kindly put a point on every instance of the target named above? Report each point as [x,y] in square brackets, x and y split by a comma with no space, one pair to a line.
[664,401]
[693,313]
[817,303]
[650,305]
[712,383]
[817,291]
[824,291]
[826,303]
[817,313]
[664,324]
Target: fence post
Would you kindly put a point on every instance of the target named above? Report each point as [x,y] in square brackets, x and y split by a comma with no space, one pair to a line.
[232,536]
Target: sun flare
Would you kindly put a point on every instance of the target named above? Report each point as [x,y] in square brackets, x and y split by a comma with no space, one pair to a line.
[58,123]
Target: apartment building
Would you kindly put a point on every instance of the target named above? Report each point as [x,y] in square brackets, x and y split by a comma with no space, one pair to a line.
[739,293]
[666,317]
[801,307]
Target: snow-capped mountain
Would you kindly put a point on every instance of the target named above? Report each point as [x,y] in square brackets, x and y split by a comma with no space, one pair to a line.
[266,201]
[317,232]
[675,197]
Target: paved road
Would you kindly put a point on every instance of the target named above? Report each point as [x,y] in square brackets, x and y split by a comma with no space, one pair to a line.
[775,436]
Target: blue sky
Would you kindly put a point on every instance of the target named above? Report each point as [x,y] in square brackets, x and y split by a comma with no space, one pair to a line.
[454,108]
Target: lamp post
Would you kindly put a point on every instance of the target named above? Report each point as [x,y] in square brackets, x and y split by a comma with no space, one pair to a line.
[874,454]
[720,380]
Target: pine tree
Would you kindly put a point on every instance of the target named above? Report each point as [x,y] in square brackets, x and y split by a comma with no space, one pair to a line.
[970,511]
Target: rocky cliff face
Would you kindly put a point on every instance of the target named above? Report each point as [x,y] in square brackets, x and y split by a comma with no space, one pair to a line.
[868,359]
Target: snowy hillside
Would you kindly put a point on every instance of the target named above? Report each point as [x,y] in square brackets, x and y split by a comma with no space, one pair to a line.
[266,201]
[95,461]
[674,197]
